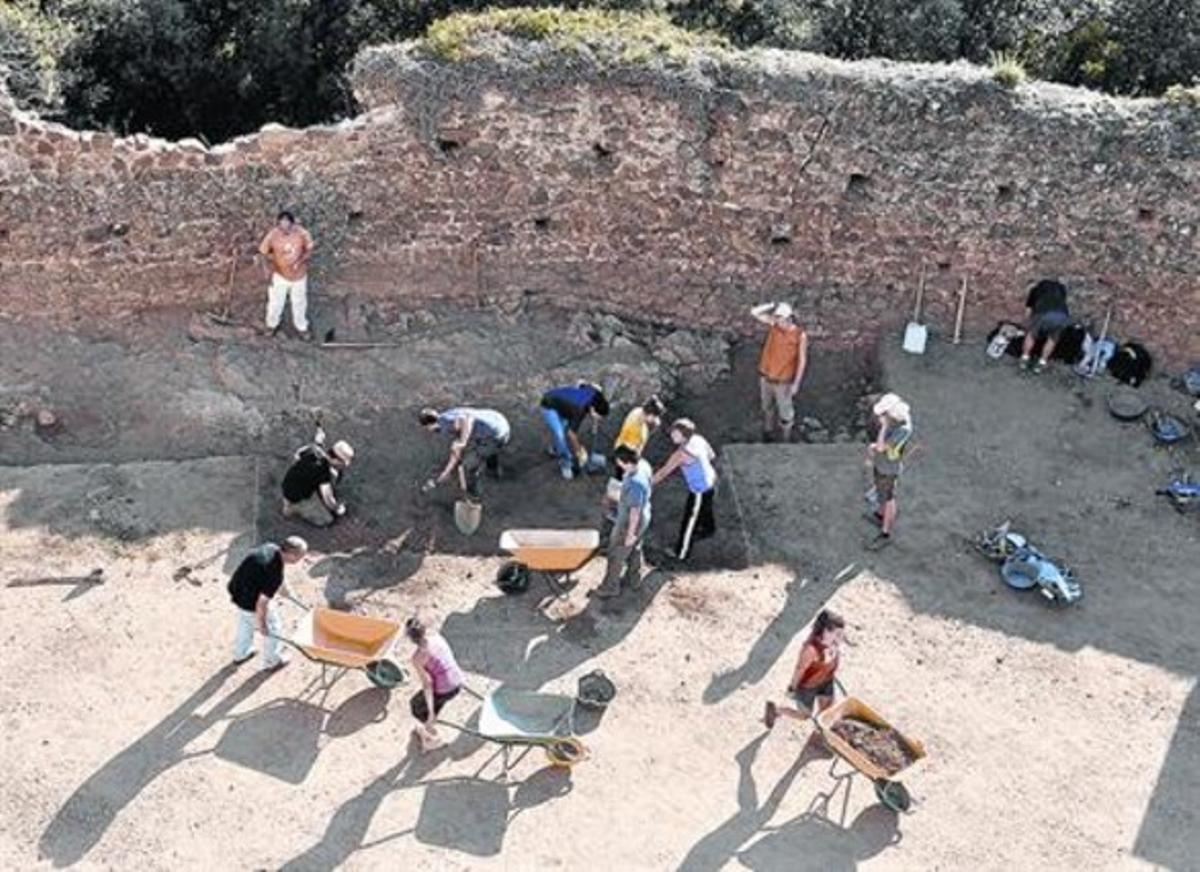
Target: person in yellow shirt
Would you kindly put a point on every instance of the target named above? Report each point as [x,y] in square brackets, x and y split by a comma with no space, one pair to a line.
[635,433]
[780,367]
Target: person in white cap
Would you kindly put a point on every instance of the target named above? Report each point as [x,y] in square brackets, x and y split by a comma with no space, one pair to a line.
[885,456]
[308,484]
[780,367]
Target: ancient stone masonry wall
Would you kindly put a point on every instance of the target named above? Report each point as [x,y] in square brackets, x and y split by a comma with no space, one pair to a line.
[681,193]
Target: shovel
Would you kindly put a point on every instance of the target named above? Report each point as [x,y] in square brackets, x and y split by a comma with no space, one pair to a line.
[916,333]
[468,515]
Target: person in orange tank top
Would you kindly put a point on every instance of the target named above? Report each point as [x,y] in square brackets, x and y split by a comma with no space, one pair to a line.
[285,252]
[780,368]
[811,687]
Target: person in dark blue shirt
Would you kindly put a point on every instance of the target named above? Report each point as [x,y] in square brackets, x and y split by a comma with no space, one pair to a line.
[564,409]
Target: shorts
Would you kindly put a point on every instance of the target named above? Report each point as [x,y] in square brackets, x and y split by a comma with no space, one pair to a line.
[807,696]
[1049,325]
[885,486]
[420,709]
[777,400]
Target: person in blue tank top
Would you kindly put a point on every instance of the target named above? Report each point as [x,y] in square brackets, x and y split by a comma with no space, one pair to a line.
[477,436]
[564,409]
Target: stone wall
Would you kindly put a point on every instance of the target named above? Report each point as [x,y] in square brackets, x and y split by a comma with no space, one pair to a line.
[683,192]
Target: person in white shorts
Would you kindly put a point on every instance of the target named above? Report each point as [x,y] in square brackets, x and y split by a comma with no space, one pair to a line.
[285,252]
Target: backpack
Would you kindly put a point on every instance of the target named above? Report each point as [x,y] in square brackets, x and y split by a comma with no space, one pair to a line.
[1131,364]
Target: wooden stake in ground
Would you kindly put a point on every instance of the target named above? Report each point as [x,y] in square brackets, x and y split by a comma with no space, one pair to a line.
[962,308]
[1103,335]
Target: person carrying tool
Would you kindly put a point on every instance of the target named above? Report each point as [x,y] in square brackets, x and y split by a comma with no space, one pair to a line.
[441,680]
[476,436]
[780,367]
[811,687]
[1048,317]
[564,409]
[885,456]
[253,587]
[635,433]
[694,458]
[308,483]
[632,521]
[284,254]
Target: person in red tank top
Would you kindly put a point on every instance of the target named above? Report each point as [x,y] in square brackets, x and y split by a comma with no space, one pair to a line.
[811,687]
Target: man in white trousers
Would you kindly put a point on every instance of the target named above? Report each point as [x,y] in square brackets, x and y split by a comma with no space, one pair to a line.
[285,252]
[256,581]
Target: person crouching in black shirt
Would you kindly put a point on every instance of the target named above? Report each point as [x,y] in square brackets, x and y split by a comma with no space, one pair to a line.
[308,484]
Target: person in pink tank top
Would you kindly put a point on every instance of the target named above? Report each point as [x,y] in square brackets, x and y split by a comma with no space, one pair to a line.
[441,680]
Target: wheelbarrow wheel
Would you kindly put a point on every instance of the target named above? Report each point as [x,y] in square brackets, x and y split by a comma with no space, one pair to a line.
[565,753]
[893,794]
[385,673]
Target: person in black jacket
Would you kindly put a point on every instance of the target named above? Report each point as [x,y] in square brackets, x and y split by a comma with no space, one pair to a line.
[253,587]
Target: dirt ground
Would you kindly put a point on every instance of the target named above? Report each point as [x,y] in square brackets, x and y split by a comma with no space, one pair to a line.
[1055,738]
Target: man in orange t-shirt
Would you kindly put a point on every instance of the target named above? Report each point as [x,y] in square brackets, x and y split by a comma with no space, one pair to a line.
[780,367]
[285,252]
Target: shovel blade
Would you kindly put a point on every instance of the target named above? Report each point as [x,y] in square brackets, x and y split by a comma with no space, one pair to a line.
[467,516]
[915,336]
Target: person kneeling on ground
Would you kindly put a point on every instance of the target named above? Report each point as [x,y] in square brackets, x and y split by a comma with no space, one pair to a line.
[1048,317]
[441,680]
[693,457]
[635,433]
[780,367]
[629,529]
[256,581]
[308,483]
[477,437]
[564,410]
[811,687]
[886,457]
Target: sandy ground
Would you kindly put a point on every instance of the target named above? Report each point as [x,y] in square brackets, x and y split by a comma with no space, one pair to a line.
[1056,739]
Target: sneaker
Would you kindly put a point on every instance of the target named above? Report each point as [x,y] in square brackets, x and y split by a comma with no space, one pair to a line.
[880,542]
[1040,366]
[238,661]
[278,664]
[770,713]
[567,472]
[305,335]
[1024,363]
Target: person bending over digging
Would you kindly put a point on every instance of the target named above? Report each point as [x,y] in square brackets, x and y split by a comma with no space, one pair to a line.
[285,252]
[693,457]
[441,680]
[1048,317]
[635,433]
[564,409]
[476,436]
[780,367]
[256,581]
[886,457]
[629,529]
[308,483]
[811,687]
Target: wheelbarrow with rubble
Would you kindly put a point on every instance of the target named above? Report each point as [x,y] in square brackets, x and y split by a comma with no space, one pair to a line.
[553,554]
[342,641]
[891,792]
